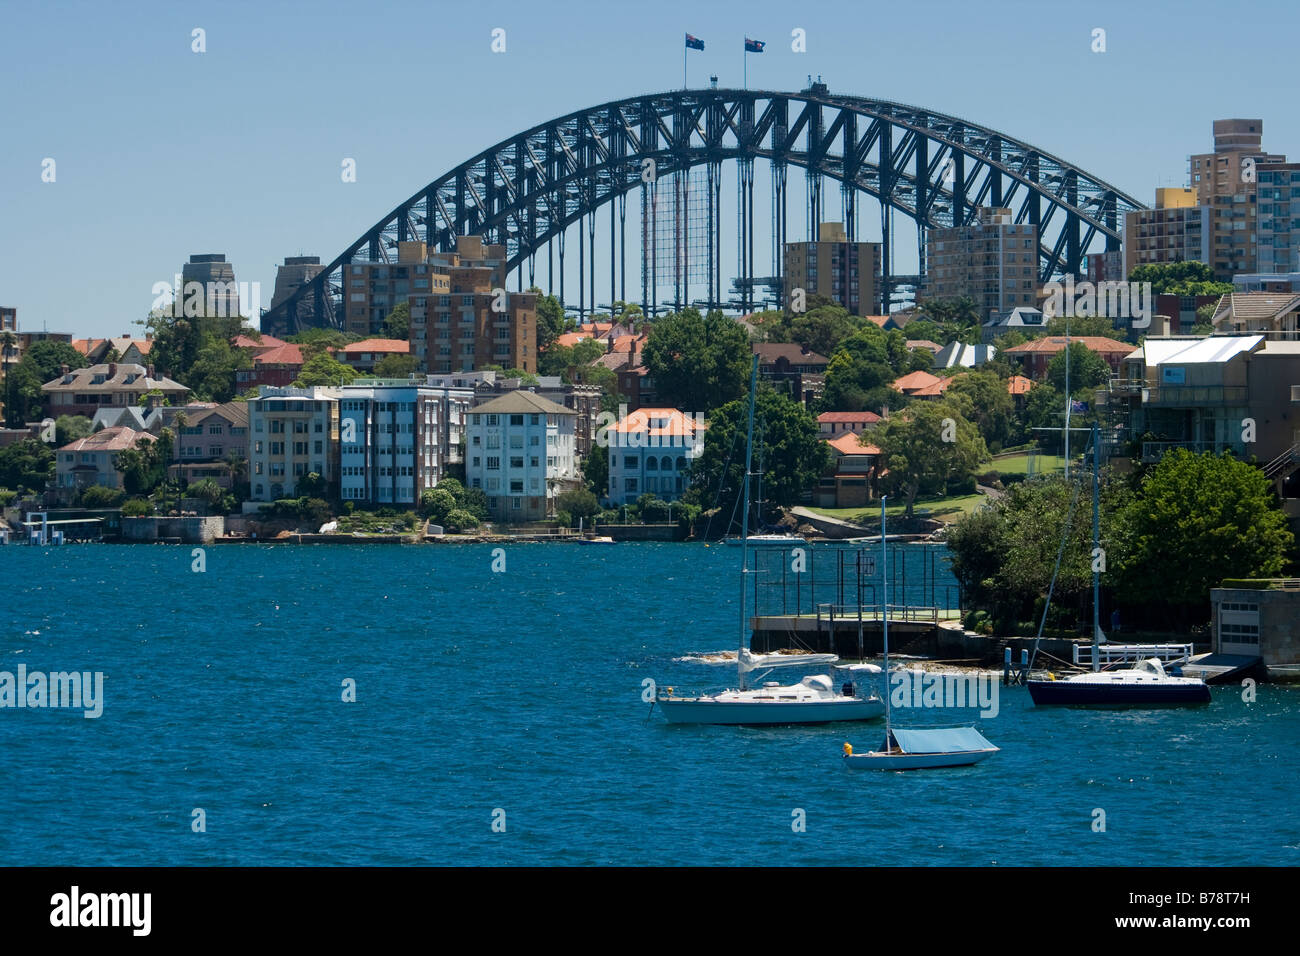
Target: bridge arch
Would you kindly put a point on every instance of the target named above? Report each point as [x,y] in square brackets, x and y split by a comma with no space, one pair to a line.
[528,190]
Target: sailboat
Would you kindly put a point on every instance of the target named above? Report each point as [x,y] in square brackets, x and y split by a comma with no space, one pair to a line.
[770,539]
[814,700]
[1146,684]
[921,749]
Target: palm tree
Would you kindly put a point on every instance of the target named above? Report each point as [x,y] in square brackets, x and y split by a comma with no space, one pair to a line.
[8,349]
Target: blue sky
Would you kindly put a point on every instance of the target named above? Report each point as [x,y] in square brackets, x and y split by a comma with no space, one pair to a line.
[162,152]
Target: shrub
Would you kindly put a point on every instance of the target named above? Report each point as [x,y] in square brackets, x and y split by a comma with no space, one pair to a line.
[460,520]
[436,504]
[137,508]
[97,496]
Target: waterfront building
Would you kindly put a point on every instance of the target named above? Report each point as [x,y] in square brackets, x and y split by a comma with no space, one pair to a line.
[93,460]
[213,443]
[397,439]
[992,260]
[293,432]
[521,453]
[85,391]
[650,452]
[845,272]
[583,400]
[1275,314]
[848,481]
[1256,619]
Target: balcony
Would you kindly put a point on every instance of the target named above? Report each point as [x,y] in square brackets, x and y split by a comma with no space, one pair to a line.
[1183,396]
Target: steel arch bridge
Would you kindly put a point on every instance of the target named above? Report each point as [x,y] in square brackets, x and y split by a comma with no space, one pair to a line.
[525,192]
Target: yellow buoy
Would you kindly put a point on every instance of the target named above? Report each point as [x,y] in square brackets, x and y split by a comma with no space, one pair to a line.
[848,749]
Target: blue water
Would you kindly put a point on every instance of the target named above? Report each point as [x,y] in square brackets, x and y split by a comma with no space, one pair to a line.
[520,692]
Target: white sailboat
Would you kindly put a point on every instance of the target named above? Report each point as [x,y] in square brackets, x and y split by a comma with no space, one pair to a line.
[1145,684]
[920,749]
[812,700]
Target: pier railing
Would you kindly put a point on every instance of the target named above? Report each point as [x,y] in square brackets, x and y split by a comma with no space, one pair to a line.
[1113,653]
[909,613]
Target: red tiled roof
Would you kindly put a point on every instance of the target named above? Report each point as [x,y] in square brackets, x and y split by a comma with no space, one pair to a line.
[677,425]
[1056,343]
[848,444]
[265,343]
[119,438]
[286,353]
[913,381]
[1019,385]
[400,346]
[791,352]
[922,344]
[827,418]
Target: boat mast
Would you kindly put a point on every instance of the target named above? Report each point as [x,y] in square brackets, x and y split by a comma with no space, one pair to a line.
[1096,544]
[1069,402]
[884,611]
[744,527]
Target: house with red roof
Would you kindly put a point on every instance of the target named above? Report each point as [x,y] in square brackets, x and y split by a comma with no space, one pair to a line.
[366,354]
[278,365]
[833,424]
[651,450]
[849,481]
[1036,355]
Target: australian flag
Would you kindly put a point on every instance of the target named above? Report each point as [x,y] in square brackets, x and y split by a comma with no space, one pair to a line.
[694,43]
[1077,406]
[754,46]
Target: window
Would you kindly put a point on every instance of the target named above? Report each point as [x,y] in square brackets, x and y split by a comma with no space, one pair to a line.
[493,464]
[517,461]
[519,420]
[629,484]
[516,503]
[630,462]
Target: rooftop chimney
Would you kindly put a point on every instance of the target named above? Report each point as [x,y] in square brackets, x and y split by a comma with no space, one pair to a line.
[112,369]
[149,371]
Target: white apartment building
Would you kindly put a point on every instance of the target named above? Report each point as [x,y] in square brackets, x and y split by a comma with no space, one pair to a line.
[651,450]
[397,439]
[520,451]
[293,432]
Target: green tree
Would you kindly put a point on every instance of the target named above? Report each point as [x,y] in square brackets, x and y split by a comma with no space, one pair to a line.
[579,503]
[959,318]
[324,369]
[1099,325]
[926,447]
[396,366]
[68,428]
[215,370]
[97,496]
[698,362]
[40,364]
[595,471]
[144,467]
[823,327]
[398,323]
[1216,515]
[551,321]
[983,399]
[436,504]
[311,485]
[209,492]
[460,520]
[1087,369]
[785,439]
[1180,278]
[26,463]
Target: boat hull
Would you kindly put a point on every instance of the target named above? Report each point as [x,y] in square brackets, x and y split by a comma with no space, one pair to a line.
[897,761]
[688,710]
[1088,694]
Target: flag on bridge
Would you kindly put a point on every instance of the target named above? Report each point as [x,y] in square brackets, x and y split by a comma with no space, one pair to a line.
[1077,406]
[754,46]
[694,43]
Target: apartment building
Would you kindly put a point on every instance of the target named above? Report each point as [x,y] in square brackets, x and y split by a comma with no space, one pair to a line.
[462,316]
[1277,203]
[397,439]
[1177,230]
[992,260]
[293,432]
[93,460]
[835,268]
[212,440]
[521,453]
[651,451]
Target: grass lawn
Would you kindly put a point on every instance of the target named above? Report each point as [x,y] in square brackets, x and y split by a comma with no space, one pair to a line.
[1019,464]
[941,509]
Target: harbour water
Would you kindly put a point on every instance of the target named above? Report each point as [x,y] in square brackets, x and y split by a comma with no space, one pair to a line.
[514,696]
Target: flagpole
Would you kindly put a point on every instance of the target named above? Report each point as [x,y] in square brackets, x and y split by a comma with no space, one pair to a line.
[685,50]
